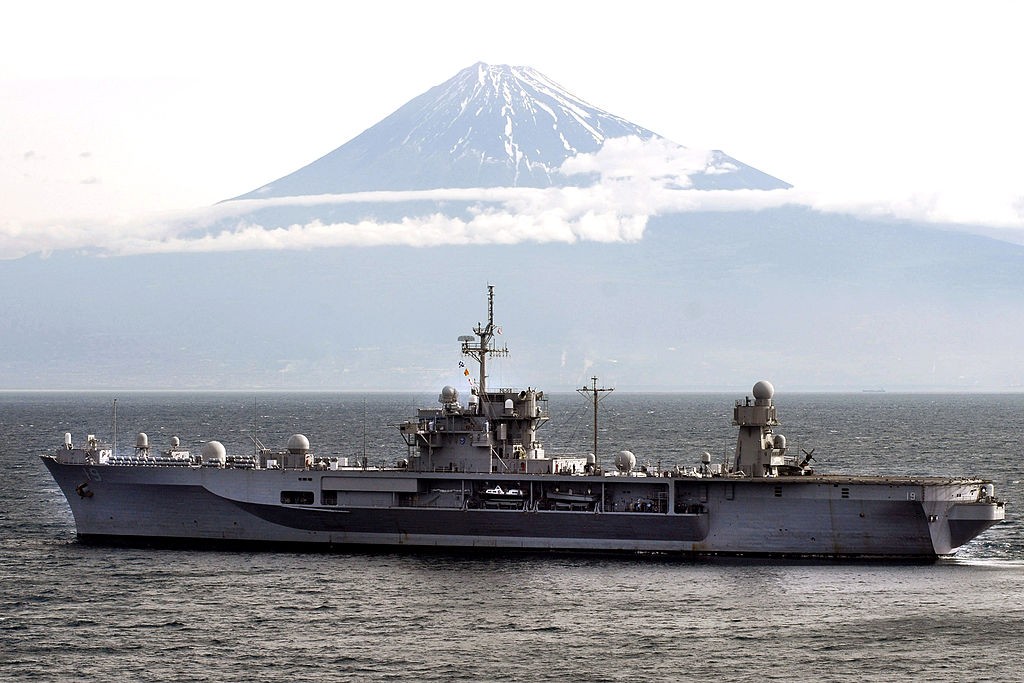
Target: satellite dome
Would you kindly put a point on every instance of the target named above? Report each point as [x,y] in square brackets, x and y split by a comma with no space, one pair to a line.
[214,451]
[625,461]
[449,394]
[297,443]
[142,440]
[763,390]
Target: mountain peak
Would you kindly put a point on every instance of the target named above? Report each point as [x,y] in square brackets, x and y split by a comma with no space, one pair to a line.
[487,126]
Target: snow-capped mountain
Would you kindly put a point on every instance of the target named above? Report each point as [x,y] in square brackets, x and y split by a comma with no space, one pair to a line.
[488,126]
[611,279]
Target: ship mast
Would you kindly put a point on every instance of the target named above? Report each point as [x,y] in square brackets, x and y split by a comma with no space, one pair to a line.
[480,349]
[596,392]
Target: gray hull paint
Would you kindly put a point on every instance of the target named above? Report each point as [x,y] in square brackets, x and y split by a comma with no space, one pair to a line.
[781,517]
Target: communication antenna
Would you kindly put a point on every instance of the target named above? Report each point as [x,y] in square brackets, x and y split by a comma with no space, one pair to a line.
[113,448]
[480,349]
[259,449]
[595,392]
[256,427]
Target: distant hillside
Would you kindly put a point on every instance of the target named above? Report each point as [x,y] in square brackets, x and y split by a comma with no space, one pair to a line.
[710,300]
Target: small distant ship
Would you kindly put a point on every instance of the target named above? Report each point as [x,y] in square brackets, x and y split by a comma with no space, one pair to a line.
[477,477]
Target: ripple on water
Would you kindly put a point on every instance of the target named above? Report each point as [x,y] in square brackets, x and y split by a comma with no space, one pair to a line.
[75,612]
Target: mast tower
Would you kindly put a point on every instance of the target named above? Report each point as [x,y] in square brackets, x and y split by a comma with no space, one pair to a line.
[596,392]
[479,349]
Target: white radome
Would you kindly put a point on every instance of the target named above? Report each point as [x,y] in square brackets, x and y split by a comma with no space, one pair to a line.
[763,390]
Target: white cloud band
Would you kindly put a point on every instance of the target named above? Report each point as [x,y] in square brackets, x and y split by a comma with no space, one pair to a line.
[637,180]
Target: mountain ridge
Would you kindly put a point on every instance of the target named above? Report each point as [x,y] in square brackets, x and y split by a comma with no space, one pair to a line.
[487,126]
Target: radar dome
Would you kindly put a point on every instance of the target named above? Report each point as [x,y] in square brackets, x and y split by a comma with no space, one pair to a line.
[763,390]
[297,443]
[625,461]
[214,451]
[142,440]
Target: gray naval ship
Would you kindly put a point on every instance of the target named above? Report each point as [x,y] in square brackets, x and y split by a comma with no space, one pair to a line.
[477,477]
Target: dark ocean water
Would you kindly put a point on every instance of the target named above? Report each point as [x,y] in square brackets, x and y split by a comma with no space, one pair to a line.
[75,612]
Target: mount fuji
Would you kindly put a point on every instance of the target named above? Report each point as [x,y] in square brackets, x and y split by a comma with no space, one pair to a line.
[492,126]
[614,252]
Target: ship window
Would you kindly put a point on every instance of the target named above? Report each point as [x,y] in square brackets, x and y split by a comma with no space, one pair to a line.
[329,498]
[844,492]
[297,497]
[778,492]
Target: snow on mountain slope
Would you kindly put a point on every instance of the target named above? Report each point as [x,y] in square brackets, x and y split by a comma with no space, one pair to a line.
[488,126]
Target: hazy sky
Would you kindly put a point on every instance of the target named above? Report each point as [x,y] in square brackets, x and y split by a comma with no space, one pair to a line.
[111,110]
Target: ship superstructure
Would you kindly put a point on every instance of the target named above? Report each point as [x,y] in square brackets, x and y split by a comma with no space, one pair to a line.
[495,432]
[477,476]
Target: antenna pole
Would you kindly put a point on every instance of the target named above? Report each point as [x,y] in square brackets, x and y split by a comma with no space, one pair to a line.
[479,350]
[595,392]
[113,449]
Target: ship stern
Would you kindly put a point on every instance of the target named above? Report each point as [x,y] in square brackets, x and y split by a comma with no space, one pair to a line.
[967,520]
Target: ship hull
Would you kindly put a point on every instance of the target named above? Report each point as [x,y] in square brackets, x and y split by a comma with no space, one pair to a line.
[860,517]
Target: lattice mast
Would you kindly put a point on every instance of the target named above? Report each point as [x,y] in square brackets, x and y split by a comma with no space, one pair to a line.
[482,347]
